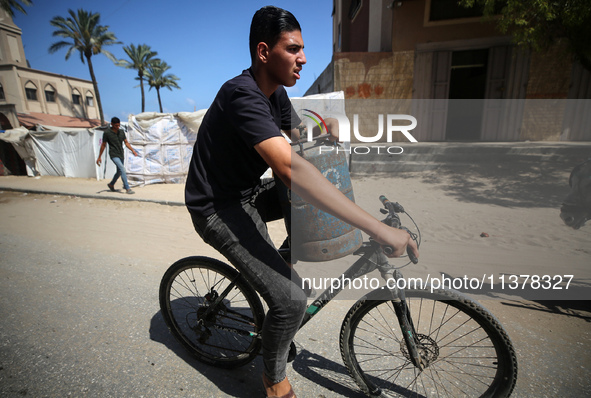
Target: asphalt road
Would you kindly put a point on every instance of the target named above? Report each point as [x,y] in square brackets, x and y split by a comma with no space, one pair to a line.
[79,314]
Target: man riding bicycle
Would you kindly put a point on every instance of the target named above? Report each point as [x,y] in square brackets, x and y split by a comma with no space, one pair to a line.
[239,138]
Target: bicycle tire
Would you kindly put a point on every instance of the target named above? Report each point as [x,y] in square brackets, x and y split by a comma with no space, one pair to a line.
[470,354]
[229,336]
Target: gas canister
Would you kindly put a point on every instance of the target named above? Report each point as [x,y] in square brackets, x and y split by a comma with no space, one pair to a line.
[315,234]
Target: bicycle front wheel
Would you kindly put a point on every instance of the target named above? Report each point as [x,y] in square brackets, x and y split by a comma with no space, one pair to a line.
[468,354]
[212,311]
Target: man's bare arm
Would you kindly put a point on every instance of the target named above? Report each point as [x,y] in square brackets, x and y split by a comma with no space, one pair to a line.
[128,145]
[103,146]
[305,180]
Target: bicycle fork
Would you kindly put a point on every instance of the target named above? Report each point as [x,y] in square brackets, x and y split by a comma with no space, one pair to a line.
[402,311]
[409,333]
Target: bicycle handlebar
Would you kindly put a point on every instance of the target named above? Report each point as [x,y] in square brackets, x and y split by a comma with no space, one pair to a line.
[394,208]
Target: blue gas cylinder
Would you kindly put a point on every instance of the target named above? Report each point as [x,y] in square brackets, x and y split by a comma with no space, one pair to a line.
[315,234]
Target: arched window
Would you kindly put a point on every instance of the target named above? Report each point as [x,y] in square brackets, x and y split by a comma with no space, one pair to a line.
[89,99]
[76,97]
[31,91]
[49,93]
[2,96]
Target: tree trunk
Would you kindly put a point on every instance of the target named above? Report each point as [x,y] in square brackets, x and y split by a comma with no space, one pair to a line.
[141,75]
[96,90]
[159,101]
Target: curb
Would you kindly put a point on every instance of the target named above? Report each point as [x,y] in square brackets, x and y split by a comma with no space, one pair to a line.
[91,196]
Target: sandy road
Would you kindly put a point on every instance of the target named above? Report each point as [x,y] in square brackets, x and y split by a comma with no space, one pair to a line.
[79,279]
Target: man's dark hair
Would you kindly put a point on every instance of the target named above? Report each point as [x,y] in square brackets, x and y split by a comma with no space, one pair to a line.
[115,120]
[267,25]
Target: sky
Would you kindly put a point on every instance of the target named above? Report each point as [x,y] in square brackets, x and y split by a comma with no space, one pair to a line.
[205,42]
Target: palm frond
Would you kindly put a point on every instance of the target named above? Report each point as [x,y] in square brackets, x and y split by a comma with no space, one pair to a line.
[15,5]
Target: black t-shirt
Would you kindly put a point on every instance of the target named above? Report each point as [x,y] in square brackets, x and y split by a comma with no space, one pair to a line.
[115,141]
[225,167]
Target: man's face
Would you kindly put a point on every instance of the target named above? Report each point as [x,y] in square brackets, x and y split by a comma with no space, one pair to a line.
[286,58]
[115,126]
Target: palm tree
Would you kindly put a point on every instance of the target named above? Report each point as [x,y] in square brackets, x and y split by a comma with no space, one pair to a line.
[157,78]
[87,37]
[11,5]
[141,58]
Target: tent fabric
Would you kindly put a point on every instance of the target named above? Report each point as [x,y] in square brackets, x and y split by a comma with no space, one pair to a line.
[164,143]
[64,153]
[24,147]
[55,151]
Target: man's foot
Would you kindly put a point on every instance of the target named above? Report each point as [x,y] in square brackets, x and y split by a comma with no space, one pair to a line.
[129,191]
[111,187]
[280,390]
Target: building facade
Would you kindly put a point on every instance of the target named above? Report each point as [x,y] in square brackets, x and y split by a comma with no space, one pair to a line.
[29,96]
[445,62]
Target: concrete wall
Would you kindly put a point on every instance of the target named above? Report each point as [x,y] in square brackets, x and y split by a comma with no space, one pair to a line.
[324,83]
[374,75]
[547,87]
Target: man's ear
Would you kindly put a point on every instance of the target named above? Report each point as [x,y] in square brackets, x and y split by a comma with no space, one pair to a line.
[263,52]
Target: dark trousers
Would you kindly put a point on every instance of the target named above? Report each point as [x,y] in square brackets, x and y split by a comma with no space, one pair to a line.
[239,232]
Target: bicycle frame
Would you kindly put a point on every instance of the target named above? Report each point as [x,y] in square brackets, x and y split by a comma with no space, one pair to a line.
[373,258]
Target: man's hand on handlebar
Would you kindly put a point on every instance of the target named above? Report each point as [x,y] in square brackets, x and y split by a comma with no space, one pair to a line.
[398,240]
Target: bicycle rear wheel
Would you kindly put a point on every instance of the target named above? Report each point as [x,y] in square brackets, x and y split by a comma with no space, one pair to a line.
[225,334]
[468,352]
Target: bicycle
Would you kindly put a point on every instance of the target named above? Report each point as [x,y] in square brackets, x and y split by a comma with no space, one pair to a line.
[393,342]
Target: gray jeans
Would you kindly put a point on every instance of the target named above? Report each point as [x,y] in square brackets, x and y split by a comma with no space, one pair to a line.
[239,232]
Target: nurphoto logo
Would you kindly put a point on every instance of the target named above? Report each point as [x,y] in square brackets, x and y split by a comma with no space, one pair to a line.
[313,118]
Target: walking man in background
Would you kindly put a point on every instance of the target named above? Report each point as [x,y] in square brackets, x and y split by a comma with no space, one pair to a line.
[115,137]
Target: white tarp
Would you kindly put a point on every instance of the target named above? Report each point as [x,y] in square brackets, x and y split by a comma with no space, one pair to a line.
[55,151]
[164,143]
[64,153]
[17,137]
